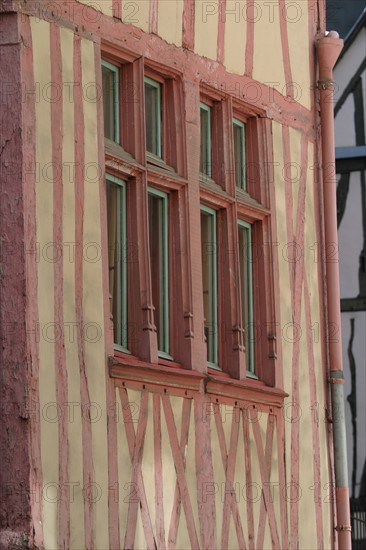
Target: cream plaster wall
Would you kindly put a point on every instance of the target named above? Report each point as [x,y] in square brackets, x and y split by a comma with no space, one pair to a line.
[77,533]
[297,17]
[170,21]
[93,312]
[104,6]
[139,17]
[206,28]
[268,58]
[235,38]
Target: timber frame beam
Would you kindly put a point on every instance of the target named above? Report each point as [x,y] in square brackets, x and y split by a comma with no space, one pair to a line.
[177,381]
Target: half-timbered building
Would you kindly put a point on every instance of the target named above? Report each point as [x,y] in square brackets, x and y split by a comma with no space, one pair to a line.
[170,343]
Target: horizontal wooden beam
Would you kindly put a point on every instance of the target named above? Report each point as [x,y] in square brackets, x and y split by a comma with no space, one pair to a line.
[353,304]
[352,152]
[175,380]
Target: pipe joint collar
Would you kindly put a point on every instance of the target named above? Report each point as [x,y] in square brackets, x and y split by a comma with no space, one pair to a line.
[341,528]
[336,377]
[325,84]
[336,380]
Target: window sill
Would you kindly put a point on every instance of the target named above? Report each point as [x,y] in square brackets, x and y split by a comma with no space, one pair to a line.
[155,160]
[118,159]
[174,380]
[222,386]
[247,203]
[164,173]
[214,192]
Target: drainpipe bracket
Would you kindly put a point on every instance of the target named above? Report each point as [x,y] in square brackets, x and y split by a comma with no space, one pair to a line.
[336,377]
[325,84]
[336,380]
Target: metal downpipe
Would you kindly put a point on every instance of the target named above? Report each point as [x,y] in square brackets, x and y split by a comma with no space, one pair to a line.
[329,48]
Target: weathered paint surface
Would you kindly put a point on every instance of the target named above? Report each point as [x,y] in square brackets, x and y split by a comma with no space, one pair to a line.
[15,508]
[126,463]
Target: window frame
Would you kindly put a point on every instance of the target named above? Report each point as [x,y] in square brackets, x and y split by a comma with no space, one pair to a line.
[145,172]
[214,344]
[172,157]
[252,206]
[240,124]
[165,353]
[123,293]
[116,104]
[159,86]
[218,191]
[208,109]
[249,336]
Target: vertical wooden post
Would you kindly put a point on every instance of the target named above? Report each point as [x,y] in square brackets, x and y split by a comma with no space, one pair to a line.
[15,504]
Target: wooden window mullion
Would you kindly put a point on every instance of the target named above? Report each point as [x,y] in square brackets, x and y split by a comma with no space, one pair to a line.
[231,325]
[144,344]
[132,114]
[222,165]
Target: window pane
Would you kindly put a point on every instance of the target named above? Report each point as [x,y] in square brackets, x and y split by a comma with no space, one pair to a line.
[158,240]
[239,154]
[209,276]
[205,147]
[245,259]
[116,208]
[110,101]
[153,116]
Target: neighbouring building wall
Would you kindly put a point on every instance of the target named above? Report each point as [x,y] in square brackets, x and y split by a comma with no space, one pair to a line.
[122,458]
[350,109]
